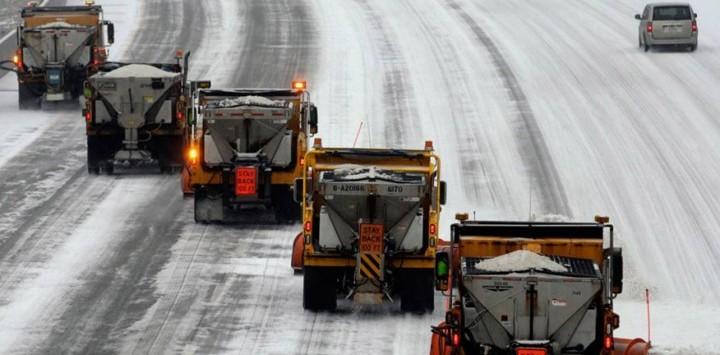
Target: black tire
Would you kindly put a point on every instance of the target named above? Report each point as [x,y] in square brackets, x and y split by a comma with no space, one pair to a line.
[170,153]
[417,290]
[286,209]
[693,47]
[640,45]
[319,289]
[94,155]
[27,99]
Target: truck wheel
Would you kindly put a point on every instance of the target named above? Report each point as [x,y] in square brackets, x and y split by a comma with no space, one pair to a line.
[93,156]
[417,290]
[319,289]
[26,98]
[286,210]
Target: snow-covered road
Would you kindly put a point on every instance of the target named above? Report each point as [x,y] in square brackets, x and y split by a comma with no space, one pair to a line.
[536,108]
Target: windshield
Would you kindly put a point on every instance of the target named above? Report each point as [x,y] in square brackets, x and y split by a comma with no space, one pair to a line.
[671,13]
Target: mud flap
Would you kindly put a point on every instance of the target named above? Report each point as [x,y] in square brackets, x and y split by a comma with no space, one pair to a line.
[208,208]
[185,183]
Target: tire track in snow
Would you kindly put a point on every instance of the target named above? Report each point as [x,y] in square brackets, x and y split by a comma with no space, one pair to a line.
[533,149]
[399,106]
[474,169]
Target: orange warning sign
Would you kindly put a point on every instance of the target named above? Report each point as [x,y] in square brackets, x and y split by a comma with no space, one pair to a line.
[245,181]
[371,238]
[525,351]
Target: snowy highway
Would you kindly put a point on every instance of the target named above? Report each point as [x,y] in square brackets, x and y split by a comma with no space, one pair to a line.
[537,108]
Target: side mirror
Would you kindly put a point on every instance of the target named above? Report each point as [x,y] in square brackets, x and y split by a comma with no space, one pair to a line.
[442,270]
[313,120]
[110,32]
[637,17]
[298,191]
[694,15]
[443,192]
[614,256]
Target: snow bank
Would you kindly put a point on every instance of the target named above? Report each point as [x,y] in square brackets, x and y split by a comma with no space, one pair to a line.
[250,101]
[139,71]
[520,260]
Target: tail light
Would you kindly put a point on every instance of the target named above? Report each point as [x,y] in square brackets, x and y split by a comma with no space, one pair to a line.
[649,27]
[608,342]
[694,26]
[18,59]
[456,339]
[180,116]
[308,227]
[433,229]
[88,116]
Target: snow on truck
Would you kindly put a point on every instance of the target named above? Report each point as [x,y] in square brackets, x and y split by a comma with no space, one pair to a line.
[246,150]
[529,288]
[135,115]
[370,225]
[58,48]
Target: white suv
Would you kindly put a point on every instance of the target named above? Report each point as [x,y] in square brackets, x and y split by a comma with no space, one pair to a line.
[671,24]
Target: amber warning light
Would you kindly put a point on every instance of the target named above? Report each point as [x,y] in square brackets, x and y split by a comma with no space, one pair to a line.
[193,155]
[300,85]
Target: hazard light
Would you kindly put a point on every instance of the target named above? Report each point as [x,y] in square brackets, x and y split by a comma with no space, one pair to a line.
[428,145]
[193,155]
[18,59]
[300,85]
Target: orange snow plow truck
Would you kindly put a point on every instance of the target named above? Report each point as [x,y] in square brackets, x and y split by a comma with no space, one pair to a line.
[370,224]
[527,288]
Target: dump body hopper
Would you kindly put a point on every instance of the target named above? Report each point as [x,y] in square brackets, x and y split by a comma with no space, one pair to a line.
[135,115]
[525,303]
[249,128]
[355,194]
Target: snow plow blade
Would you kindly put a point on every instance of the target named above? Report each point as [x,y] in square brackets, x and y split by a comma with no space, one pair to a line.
[631,347]
[297,256]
